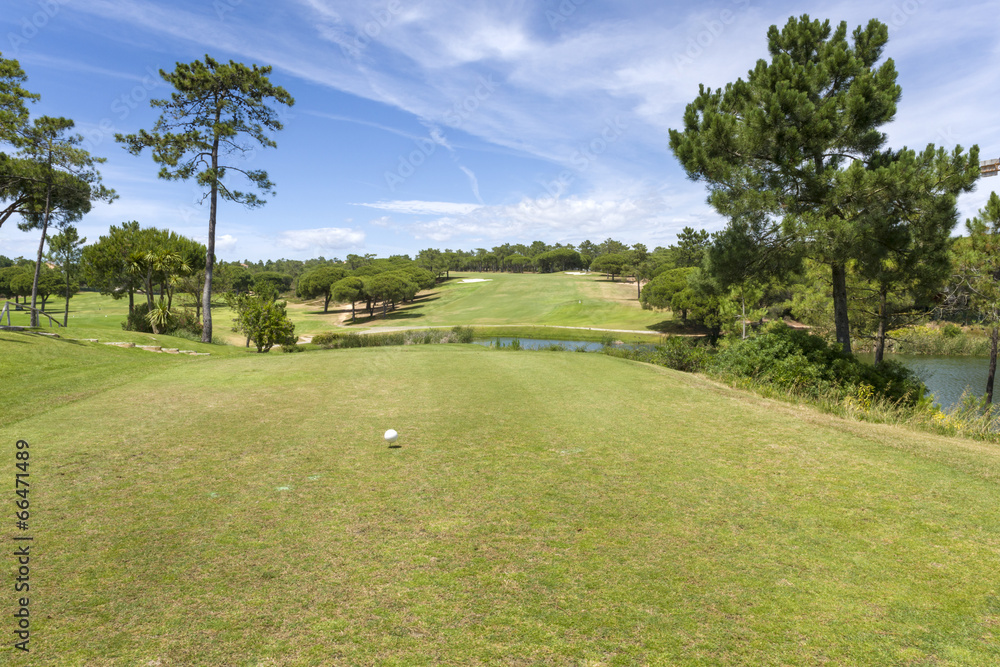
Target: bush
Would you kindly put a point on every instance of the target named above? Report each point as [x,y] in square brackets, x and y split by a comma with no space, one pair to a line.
[262,320]
[797,360]
[681,354]
[336,341]
[950,330]
[185,321]
[138,320]
[462,335]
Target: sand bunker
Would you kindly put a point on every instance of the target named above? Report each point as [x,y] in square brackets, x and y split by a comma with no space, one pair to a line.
[475,280]
[576,273]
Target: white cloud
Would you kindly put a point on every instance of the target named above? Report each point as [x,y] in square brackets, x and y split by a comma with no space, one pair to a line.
[325,238]
[647,217]
[423,207]
[224,243]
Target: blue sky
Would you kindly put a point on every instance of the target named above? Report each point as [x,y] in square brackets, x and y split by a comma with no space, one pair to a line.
[464,124]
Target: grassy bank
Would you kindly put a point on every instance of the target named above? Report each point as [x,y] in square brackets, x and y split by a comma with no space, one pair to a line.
[541,508]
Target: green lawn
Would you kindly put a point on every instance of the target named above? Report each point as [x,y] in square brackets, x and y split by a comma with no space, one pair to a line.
[512,299]
[543,508]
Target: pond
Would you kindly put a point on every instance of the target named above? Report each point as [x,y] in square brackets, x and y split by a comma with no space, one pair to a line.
[945,377]
[537,343]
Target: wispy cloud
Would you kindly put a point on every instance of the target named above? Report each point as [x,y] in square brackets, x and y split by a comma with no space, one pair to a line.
[423,207]
[326,238]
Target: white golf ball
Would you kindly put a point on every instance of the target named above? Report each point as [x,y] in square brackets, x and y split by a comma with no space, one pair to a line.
[391,435]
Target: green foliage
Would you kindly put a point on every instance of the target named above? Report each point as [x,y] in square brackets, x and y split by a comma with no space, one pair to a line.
[160,318]
[660,291]
[796,149]
[613,264]
[138,319]
[319,283]
[262,319]
[560,259]
[691,247]
[950,339]
[204,124]
[272,281]
[132,258]
[338,340]
[972,417]
[681,354]
[66,251]
[794,359]
[462,334]
[950,330]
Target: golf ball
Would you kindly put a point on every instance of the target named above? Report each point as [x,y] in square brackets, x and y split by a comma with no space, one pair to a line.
[391,435]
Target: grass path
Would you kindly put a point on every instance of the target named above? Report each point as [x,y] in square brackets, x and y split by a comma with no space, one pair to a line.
[557,508]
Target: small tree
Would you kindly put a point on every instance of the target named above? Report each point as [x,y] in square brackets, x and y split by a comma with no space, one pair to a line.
[660,291]
[347,289]
[612,264]
[319,283]
[66,250]
[201,125]
[262,319]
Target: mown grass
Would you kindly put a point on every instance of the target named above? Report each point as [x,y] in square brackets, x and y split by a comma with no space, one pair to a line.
[554,299]
[541,508]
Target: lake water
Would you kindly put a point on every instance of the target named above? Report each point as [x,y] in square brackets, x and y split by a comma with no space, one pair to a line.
[948,377]
[945,377]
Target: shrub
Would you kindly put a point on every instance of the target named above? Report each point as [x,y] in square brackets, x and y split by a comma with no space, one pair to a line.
[137,319]
[798,360]
[462,335]
[262,320]
[950,330]
[681,354]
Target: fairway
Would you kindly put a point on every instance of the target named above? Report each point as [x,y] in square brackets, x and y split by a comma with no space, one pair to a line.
[542,507]
[513,299]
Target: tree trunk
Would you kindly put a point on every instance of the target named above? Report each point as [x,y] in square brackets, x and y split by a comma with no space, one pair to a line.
[66,312]
[41,248]
[993,366]
[883,318]
[326,303]
[743,301]
[840,306]
[206,298]
[352,310]
[131,300]
[638,288]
